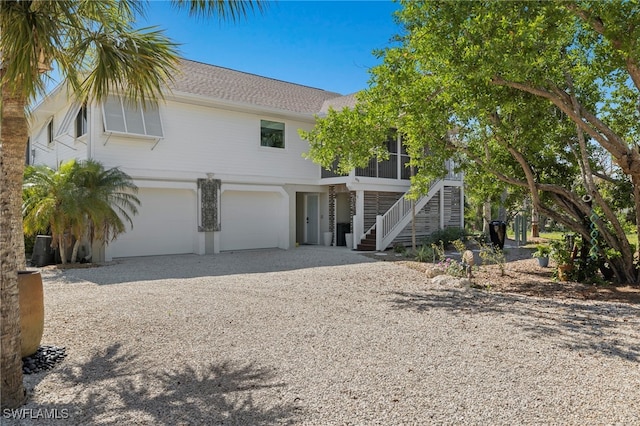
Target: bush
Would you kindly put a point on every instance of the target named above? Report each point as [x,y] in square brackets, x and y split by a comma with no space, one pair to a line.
[492,255]
[446,235]
[451,267]
[29,242]
[425,254]
[399,248]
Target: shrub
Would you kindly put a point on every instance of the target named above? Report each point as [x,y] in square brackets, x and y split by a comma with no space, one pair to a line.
[460,246]
[451,267]
[493,255]
[542,250]
[399,248]
[438,250]
[425,254]
[446,235]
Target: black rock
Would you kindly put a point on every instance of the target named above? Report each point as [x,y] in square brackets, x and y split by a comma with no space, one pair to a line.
[45,358]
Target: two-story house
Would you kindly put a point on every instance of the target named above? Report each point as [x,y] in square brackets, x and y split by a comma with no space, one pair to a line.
[219,167]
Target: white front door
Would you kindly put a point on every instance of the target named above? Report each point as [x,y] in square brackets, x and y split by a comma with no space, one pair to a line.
[312,218]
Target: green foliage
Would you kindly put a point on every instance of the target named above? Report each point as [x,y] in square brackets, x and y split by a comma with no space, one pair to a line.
[459,245]
[77,198]
[346,139]
[446,236]
[561,253]
[493,255]
[542,250]
[438,250]
[425,254]
[451,267]
[97,46]
[399,248]
[502,87]
[29,243]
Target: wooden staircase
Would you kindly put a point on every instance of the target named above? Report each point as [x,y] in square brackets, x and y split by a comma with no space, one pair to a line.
[368,243]
[388,226]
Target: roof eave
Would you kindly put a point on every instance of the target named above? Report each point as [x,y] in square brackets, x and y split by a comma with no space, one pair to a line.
[201,100]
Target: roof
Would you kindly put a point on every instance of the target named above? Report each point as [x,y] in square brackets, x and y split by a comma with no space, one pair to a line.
[241,87]
[338,103]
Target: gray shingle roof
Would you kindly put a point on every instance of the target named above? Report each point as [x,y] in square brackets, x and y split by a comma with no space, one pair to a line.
[338,103]
[236,86]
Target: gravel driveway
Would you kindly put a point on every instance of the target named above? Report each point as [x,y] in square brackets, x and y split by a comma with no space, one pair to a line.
[323,336]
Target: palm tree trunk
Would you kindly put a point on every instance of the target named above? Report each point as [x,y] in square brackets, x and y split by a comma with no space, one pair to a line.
[74,252]
[13,138]
[62,248]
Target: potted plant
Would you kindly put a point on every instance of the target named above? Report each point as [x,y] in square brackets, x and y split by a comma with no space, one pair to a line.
[562,257]
[542,254]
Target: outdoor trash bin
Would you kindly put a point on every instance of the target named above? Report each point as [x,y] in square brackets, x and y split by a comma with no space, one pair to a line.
[42,252]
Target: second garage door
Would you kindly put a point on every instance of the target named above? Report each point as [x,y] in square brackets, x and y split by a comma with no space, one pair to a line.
[251,220]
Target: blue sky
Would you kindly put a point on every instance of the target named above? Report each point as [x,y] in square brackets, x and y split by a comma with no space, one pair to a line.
[323,44]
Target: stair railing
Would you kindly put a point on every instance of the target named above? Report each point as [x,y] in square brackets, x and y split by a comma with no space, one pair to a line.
[390,224]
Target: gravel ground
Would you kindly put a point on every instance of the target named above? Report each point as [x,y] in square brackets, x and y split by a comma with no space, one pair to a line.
[323,336]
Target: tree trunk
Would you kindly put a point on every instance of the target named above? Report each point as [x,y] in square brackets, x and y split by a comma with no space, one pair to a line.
[486,217]
[13,138]
[502,211]
[62,248]
[535,227]
[74,252]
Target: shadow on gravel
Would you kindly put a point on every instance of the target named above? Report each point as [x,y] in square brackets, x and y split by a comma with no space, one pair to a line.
[109,392]
[227,263]
[605,328]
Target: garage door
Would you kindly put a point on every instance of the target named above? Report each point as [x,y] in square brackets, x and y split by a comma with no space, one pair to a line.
[165,224]
[250,220]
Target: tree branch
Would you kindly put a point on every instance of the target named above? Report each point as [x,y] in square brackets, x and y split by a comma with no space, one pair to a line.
[598,26]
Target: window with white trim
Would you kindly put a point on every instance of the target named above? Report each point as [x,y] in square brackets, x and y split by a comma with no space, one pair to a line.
[271,134]
[123,116]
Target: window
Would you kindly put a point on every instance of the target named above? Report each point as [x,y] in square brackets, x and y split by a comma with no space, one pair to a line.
[81,121]
[50,132]
[271,134]
[129,117]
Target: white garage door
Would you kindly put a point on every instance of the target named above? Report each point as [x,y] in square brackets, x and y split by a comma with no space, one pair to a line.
[250,220]
[165,224]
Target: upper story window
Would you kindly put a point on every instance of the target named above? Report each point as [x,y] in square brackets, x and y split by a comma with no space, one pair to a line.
[271,134]
[123,116]
[81,121]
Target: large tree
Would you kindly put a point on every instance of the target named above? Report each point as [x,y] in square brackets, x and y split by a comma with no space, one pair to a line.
[543,96]
[96,48]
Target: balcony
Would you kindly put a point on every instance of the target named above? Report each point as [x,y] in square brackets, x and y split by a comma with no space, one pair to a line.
[386,169]
[389,169]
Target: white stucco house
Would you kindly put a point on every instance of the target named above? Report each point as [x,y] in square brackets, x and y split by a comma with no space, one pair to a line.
[219,167]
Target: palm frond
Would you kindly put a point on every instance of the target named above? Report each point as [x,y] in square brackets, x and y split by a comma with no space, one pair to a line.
[231,10]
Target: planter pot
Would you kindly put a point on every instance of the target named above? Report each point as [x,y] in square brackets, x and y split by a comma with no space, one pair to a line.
[31,310]
[564,271]
[328,236]
[349,240]
[543,261]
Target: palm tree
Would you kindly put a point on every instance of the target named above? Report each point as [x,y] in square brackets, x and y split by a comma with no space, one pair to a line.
[80,200]
[108,200]
[52,201]
[97,50]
